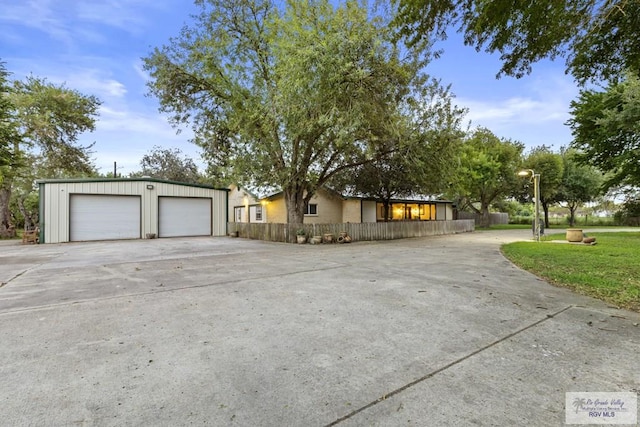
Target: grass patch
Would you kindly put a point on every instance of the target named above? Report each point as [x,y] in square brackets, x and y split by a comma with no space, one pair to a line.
[19,233]
[609,270]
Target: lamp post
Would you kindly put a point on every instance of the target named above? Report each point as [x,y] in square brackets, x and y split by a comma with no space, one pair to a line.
[536,197]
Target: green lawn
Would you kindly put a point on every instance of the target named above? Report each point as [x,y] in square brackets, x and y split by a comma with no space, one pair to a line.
[609,270]
[554,228]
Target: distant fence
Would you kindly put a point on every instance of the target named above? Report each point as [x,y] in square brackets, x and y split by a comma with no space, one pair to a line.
[358,232]
[494,218]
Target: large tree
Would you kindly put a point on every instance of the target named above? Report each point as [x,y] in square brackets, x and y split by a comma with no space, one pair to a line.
[599,39]
[606,129]
[170,164]
[486,172]
[550,167]
[48,119]
[580,184]
[286,95]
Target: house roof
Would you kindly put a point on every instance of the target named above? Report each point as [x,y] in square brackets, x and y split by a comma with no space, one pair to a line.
[140,179]
[262,193]
[411,199]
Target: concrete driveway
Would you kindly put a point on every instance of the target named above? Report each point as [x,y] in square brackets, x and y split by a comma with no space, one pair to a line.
[219,331]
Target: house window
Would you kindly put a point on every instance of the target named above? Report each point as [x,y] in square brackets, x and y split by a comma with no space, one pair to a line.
[311,209]
[398,211]
[239,214]
[258,213]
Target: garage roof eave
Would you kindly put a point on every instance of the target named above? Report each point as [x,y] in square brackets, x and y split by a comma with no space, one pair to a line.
[186,184]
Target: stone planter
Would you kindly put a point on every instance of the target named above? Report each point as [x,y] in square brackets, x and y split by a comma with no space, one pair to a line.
[301,238]
[574,235]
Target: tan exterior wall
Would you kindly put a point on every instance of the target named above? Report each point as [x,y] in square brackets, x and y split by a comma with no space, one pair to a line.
[329,209]
[55,199]
[332,209]
[444,211]
[240,197]
[276,210]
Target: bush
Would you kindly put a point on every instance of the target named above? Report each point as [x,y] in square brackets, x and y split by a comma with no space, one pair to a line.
[629,214]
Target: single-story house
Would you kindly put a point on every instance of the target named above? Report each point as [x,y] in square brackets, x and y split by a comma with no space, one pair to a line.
[329,207]
[245,206]
[128,208]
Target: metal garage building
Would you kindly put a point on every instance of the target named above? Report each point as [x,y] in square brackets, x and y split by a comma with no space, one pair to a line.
[133,208]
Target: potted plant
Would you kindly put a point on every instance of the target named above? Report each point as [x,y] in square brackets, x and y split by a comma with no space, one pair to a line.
[302,235]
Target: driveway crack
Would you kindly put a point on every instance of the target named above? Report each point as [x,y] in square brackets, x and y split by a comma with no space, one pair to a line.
[444,368]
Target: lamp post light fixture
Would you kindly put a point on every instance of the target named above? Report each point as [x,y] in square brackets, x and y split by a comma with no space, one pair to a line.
[536,197]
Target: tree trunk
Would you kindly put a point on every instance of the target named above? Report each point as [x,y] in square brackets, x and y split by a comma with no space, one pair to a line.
[387,210]
[29,220]
[545,208]
[572,215]
[7,229]
[485,218]
[294,198]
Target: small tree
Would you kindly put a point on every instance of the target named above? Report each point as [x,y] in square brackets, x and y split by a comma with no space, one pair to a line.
[580,184]
[487,172]
[169,164]
[550,167]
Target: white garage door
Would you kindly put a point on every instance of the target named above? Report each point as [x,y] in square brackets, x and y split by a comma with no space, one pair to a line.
[184,216]
[103,217]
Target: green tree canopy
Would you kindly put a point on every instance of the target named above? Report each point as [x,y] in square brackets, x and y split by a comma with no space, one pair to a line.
[170,164]
[288,95]
[606,130]
[599,39]
[9,135]
[550,167]
[46,121]
[580,184]
[422,166]
[487,172]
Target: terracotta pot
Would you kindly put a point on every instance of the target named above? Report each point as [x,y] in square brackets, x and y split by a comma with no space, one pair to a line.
[574,235]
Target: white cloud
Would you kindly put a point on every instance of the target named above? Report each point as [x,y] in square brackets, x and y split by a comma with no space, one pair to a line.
[127,15]
[90,81]
[152,125]
[37,14]
[536,116]
[520,110]
[124,136]
[71,21]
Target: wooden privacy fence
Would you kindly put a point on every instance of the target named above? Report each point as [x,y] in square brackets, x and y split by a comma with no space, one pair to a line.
[494,217]
[357,231]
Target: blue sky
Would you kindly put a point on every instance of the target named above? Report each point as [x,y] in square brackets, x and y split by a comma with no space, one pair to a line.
[95,46]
